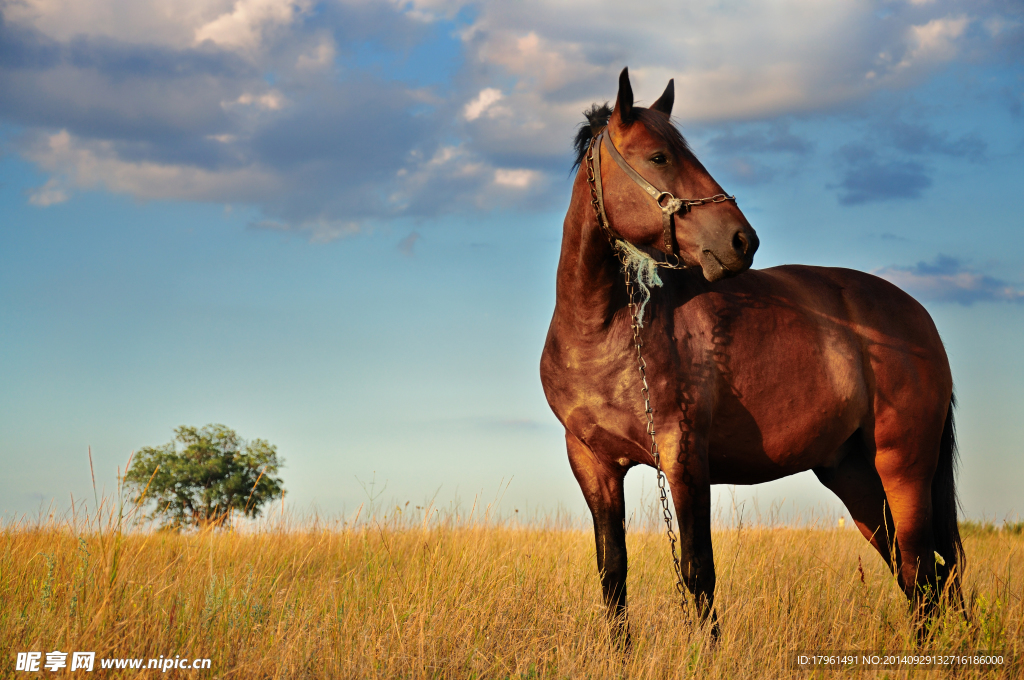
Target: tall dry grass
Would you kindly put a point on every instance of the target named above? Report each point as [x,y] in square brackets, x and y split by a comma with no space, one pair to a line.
[451,596]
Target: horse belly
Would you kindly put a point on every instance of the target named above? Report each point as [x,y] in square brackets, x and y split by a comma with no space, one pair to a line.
[801,445]
[789,411]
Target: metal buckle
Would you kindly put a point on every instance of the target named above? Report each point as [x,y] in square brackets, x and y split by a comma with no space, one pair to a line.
[667,264]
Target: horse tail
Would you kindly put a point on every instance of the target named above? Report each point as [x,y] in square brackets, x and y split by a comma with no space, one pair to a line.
[951,559]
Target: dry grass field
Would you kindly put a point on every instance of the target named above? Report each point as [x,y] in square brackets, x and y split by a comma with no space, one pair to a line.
[453,597]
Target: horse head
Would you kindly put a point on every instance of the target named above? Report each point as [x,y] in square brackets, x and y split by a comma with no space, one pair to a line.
[642,206]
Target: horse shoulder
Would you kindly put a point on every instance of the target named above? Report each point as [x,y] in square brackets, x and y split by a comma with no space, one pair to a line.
[585,374]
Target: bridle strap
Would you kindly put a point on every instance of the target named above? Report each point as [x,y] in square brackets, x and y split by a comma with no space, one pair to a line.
[671,204]
[602,216]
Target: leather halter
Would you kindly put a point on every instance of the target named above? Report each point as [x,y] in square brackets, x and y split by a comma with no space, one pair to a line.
[668,203]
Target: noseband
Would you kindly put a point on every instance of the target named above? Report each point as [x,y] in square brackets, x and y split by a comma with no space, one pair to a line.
[668,203]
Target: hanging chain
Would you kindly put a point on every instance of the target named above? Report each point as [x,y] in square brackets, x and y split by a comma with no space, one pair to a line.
[646,393]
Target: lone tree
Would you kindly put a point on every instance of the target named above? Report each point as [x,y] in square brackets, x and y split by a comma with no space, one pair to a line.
[214,475]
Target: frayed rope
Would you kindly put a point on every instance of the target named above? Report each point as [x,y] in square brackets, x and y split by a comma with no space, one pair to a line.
[643,269]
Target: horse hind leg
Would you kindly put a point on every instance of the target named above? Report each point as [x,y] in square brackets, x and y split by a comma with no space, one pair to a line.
[894,515]
[944,515]
[907,480]
[903,486]
[857,484]
[912,514]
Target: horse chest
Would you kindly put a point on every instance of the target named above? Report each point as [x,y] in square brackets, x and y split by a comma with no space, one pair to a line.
[589,380]
[596,392]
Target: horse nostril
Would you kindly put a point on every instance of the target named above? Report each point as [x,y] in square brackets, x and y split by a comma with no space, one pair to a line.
[740,243]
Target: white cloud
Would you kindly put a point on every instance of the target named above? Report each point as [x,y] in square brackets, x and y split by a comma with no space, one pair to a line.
[997,25]
[448,163]
[166,23]
[456,178]
[429,11]
[735,61]
[949,280]
[271,100]
[545,63]
[925,46]
[740,61]
[91,165]
[49,194]
[319,229]
[244,26]
[319,57]
[172,98]
[518,179]
[934,41]
[231,24]
[487,98]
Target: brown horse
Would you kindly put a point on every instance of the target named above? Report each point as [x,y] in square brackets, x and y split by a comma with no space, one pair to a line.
[754,375]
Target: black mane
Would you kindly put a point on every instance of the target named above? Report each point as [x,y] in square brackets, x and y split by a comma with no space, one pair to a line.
[656,123]
[597,118]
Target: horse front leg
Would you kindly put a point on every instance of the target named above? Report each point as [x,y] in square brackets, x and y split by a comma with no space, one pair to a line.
[601,483]
[690,482]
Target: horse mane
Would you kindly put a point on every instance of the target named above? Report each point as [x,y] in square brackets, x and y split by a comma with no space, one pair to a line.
[597,118]
[656,123]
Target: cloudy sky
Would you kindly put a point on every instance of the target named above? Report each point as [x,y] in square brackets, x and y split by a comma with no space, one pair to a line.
[334,225]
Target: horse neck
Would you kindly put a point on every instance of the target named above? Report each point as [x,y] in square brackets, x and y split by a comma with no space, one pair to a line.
[588,271]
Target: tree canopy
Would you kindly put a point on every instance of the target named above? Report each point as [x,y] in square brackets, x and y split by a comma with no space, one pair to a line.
[204,476]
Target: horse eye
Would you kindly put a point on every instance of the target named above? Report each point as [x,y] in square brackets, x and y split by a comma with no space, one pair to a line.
[659,159]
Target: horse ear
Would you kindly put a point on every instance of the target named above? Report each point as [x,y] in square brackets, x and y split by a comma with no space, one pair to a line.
[624,102]
[667,98]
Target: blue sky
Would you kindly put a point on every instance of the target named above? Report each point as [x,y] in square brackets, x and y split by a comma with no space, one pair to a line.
[335,225]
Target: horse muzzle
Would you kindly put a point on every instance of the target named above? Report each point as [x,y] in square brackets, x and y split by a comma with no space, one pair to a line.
[729,259]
